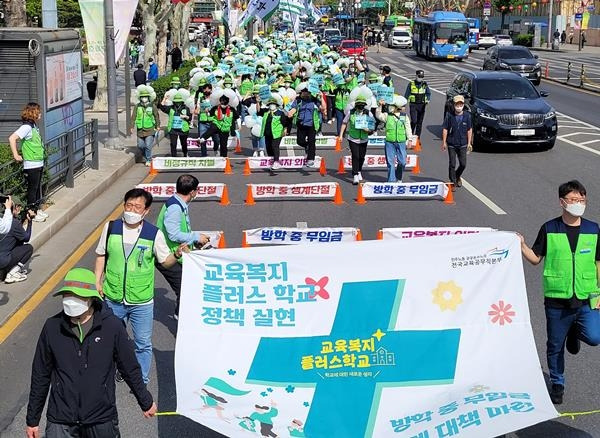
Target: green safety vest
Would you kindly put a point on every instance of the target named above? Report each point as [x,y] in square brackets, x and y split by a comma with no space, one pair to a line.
[184,223]
[202,113]
[144,118]
[341,97]
[316,120]
[175,122]
[395,130]
[417,94]
[359,134]
[565,272]
[246,87]
[33,148]
[276,126]
[225,123]
[132,278]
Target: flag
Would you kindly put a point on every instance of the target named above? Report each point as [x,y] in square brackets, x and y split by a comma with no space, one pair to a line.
[262,9]
[314,13]
[292,6]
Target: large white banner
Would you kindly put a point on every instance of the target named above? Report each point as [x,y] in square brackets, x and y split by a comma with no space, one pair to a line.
[92,13]
[321,141]
[360,339]
[166,190]
[189,163]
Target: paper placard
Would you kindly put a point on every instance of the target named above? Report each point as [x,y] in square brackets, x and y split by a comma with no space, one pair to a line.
[386,94]
[422,190]
[189,163]
[285,162]
[264,92]
[380,162]
[166,190]
[310,190]
[313,87]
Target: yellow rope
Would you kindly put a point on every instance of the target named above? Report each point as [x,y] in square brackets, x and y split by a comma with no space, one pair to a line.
[572,415]
[166,413]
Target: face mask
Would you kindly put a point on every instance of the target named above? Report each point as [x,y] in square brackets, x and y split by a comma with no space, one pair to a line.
[418,80]
[227,85]
[223,105]
[286,85]
[132,218]
[144,100]
[151,62]
[75,306]
[272,107]
[576,210]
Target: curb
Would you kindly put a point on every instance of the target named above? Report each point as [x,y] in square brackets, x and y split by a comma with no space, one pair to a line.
[576,87]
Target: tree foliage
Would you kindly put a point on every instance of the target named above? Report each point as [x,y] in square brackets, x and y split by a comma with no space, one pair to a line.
[69,14]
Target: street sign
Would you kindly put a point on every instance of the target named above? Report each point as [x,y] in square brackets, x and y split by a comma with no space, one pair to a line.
[578,17]
[372,4]
[487,4]
[409,5]
[487,12]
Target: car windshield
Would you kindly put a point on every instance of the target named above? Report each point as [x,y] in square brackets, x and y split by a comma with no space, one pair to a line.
[351,44]
[503,37]
[451,33]
[514,54]
[505,88]
[401,34]
[331,32]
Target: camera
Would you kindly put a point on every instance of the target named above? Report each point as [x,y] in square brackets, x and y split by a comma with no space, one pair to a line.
[3,198]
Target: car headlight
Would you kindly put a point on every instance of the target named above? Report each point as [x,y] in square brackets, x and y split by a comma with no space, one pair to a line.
[486,115]
[503,65]
[538,65]
[550,115]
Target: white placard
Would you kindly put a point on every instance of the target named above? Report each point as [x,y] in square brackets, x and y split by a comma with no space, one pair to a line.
[166,190]
[379,161]
[296,236]
[189,163]
[309,190]
[411,232]
[421,190]
[321,141]
[285,162]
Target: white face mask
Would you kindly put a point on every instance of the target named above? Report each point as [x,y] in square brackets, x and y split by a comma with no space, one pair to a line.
[75,306]
[132,218]
[272,107]
[144,100]
[576,209]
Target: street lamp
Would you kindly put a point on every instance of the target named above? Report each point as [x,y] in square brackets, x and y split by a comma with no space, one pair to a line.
[357,6]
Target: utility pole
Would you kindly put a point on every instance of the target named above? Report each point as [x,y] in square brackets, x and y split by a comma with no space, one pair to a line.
[111,72]
[49,14]
[549,25]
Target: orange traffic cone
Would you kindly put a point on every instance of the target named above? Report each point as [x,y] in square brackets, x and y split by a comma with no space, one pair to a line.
[323,168]
[358,234]
[247,170]
[341,169]
[338,200]
[417,169]
[449,199]
[153,171]
[228,170]
[380,235]
[238,147]
[360,199]
[244,243]
[249,196]
[225,196]
[338,144]
[417,147]
[222,242]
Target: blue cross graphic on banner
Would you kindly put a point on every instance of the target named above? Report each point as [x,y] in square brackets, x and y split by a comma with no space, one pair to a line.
[347,406]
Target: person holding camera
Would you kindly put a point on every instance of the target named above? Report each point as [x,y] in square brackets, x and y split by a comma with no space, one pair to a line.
[15,252]
[32,156]
[7,218]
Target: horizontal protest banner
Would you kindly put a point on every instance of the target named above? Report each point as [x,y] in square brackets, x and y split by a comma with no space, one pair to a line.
[188,163]
[194,144]
[285,162]
[379,140]
[410,232]
[307,191]
[422,190]
[321,141]
[166,190]
[296,236]
[373,339]
[379,161]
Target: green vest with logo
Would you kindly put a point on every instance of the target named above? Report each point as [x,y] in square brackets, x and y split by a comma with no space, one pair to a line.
[176,122]
[359,134]
[184,225]
[567,273]
[342,94]
[202,113]
[276,125]
[129,278]
[33,148]
[246,87]
[144,117]
[395,130]
[417,94]
[315,116]
[224,125]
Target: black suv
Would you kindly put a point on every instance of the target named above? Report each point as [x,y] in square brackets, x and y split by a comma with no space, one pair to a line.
[506,109]
[514,58]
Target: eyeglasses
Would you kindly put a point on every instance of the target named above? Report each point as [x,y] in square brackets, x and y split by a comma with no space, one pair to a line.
[575,200]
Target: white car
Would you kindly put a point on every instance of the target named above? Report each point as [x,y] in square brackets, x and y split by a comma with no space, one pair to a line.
[504,40]
[486,40]
[400,38]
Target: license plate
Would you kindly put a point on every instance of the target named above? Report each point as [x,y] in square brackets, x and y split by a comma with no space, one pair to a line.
[522,132]
[450,56]
[525,75]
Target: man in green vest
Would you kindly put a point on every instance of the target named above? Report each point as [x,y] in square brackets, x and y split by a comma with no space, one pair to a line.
[397,135]
[357,122]
[174,222]
[569,246]
[418,94]
[125,257]
[178,124]
[223,118]
[272,128]
[147,122]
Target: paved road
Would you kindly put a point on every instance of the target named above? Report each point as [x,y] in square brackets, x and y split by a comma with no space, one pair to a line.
[508,191]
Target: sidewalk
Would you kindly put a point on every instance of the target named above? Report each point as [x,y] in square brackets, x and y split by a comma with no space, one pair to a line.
[570,48]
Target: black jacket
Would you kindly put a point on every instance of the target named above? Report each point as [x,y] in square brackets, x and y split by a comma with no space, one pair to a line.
[81,376]
[16,236]
[139,77]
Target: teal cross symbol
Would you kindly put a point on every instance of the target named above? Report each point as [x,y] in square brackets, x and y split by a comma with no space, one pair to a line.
[347,406]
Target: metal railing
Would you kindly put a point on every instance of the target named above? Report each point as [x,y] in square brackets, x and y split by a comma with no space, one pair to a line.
[66,155]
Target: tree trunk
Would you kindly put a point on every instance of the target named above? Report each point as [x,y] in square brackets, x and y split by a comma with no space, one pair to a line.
[162,49]
[175,24]
[14,13]
[185,21]
[101,101]
[147,9]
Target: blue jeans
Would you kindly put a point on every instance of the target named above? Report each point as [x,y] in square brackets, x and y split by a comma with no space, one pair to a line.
[141,319]
[202,128]
[558,323]
[258,143]
[145,145]
[339,118]
[395,151]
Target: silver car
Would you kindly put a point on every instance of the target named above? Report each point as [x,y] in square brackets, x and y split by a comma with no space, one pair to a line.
[400,38]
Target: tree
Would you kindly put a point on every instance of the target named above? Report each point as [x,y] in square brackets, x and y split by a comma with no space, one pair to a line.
[69,14]
[14,13]
[504,7]
[155,14]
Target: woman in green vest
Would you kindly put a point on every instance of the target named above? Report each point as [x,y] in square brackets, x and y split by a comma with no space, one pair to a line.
[32,156]
[178,125]
[272,128]
[397,135]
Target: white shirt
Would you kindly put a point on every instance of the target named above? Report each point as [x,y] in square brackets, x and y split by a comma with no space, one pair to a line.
[6,221]
[25,133]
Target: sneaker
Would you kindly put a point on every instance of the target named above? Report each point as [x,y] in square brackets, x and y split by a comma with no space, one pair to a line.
[39,218]
[459,182]
[148,163]
[309,164]
[118,377]
[573,342]
[42,213]
[360,178]
[255,154]
[176,317]
[556,393]
[276,165]
[201,140]
[329,122]
[261,153]
[15,277]
[355,180]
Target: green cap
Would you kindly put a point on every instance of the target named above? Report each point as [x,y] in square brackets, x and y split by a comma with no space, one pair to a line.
[175,80]
[360,99]
[144,93]
[80,282]
[178,97]
[228,80]
[272,100]
[373,77]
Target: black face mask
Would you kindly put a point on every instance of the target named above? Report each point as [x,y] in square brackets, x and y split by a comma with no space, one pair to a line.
[305,98]
[360,107]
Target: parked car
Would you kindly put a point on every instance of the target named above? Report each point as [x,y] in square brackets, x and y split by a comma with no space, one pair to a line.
[515,58]
[334,42]
[503,40]
[400,38]
[486,40]
[353,48]
[506,109]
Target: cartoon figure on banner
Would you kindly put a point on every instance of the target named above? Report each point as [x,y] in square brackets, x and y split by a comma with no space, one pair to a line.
[296,429]
[211,400]
[264,415]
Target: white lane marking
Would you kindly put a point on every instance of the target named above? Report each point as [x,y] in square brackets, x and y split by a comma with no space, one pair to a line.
[570,134]
[585,148]
[589,125]
[487,201]
[409,79]
[591,141]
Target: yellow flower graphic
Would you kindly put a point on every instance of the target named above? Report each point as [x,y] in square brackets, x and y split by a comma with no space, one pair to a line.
[447,295]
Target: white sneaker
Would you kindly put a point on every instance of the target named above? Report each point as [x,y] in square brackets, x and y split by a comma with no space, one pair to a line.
[148,163]
[329,122]
[262,153]
[15,277]
[276,165]
[39,218]
[255,154]
[42,214]
[355,180]
[360,178]
[309,164]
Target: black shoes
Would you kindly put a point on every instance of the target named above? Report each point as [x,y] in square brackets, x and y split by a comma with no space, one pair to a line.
[556,393]
[118,377]
[459,182]
[573,342]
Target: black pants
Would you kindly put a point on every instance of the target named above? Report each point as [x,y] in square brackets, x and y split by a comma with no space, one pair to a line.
[417,113]
[272,146]
[453,172]
[306,138]
[223,139]
[358,151]
[173,277]
[182,139]
[330,107]
[34,187]
[110,429]
[19,254]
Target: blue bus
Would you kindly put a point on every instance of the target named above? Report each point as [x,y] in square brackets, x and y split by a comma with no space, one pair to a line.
[441,35]
[474,24]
